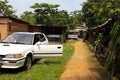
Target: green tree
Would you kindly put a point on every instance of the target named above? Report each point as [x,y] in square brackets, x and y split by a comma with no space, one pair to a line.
[6,9]
[48,14]
[60,18]
[43,12]
[28,17]
[98,11]
[76,17]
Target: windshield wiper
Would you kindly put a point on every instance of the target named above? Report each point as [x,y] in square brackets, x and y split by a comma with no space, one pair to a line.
[16,42]
[19,43]
[13,42]
[4,42]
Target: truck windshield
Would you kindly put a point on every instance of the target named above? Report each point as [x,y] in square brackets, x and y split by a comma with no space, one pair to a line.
[17,38]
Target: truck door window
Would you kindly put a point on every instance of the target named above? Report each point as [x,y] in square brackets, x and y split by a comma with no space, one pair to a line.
[36,38]
[42,38]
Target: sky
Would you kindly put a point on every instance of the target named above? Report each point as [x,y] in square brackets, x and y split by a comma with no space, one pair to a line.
[24,5]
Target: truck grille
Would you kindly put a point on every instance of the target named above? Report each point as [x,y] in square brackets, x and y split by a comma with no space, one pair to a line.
[2,56]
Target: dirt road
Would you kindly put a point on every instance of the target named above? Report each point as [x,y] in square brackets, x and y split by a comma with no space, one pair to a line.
[83,65]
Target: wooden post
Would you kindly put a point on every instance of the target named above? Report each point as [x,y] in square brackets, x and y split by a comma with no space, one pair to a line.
[61,38]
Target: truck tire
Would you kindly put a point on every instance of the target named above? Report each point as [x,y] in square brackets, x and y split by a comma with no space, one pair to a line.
[28,62]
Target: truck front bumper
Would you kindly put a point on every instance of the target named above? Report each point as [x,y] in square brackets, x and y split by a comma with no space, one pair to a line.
[12,63]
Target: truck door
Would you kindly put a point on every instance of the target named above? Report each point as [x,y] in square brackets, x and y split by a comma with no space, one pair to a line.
[46,50]
[51,50]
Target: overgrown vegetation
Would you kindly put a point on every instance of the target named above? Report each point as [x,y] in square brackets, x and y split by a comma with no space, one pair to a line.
[106,48]
[44,69]
[108,43]
[91,47]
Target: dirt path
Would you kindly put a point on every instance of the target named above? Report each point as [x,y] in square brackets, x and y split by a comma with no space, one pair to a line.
[83,65]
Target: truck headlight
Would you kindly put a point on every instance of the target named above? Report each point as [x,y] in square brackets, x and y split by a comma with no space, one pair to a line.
[13,56]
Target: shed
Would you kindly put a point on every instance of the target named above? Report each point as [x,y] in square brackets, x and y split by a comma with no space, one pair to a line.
[55,31]
[33,28]
[76,33]
[9,25]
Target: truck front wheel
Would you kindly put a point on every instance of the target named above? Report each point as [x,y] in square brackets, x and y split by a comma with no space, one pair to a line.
[28,62]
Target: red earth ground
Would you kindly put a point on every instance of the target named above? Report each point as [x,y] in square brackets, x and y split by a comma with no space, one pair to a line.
[83,65]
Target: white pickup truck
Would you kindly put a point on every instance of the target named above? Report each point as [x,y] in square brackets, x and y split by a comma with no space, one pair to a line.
[21,48]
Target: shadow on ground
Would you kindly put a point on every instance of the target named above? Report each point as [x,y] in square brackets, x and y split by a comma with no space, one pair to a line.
[15,71]
[35,62]
[103,74]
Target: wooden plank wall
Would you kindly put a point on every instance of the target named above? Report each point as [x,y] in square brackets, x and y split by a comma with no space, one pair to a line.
[3,30]
[19,27]
[35,29]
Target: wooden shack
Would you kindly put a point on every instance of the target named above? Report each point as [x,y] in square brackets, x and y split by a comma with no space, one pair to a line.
[33,28]
[55,31]
[9,25]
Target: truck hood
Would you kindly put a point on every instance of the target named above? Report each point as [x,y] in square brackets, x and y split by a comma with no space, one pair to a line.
[13,48]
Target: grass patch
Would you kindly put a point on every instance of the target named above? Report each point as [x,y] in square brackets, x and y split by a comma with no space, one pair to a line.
[92,59]
[91,47]
[45,69]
